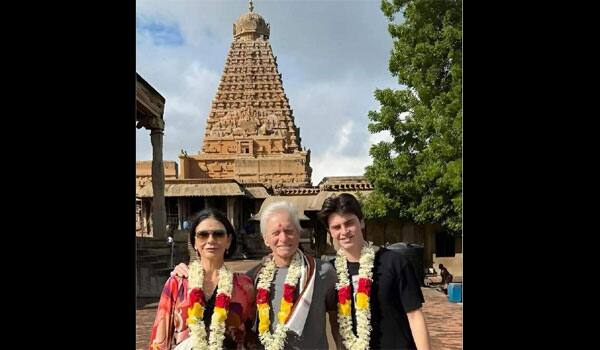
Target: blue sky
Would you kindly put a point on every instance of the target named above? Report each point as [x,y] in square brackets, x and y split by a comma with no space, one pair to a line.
[161,33]
[332,55]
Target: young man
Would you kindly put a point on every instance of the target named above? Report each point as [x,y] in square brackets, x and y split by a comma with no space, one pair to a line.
[379,296]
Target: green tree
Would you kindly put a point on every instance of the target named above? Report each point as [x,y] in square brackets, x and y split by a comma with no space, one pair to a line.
[417,176]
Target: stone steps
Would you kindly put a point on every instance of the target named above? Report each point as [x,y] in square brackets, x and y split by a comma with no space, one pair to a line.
[151,257]
[154,251]
[153,264]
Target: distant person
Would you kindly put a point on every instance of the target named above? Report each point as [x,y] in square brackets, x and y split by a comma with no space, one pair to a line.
[170,234]
[446,277]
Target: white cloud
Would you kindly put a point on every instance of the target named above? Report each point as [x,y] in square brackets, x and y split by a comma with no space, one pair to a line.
[333,162]
[380,136]
[344,138]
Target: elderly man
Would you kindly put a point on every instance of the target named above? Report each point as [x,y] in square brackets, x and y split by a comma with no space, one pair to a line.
[293,290]
[378,294]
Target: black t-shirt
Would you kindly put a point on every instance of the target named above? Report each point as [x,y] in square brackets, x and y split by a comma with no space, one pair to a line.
[394,292]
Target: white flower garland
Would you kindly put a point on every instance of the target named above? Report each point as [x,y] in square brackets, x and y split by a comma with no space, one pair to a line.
[276,341]
[217,328]
[363,316]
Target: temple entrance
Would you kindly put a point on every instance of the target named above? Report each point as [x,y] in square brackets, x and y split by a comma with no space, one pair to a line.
[196,205]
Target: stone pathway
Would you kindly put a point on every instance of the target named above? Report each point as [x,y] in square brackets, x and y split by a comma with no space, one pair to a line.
[444,320]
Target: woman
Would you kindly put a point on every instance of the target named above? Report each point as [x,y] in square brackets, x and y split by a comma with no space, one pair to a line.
[208,309]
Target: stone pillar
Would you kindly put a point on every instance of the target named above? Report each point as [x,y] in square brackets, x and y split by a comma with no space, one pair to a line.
[231,212]
[180,214]
[143,217]
[237,212]
[159,215]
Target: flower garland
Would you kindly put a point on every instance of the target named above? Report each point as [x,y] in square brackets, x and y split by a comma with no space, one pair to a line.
[276,340]
[198,304]
[363,293]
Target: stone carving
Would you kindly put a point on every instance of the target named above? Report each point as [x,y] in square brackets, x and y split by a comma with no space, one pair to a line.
[212,149]
[271,121]
[277,147]
[263,130]
[285,134]
[214,167]
[239,132]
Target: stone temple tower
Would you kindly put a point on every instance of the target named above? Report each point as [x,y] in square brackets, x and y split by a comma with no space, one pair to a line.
[250,134]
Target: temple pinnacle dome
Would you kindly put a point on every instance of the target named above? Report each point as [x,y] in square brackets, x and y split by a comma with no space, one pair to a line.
[251,26]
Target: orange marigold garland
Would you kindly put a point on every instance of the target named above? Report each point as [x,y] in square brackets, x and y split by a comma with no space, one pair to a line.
[276,340]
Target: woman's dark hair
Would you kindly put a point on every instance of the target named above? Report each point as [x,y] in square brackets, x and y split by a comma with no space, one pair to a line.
[345,203]
[220,217]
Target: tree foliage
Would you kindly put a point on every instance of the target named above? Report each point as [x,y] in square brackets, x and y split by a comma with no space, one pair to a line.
[418,175]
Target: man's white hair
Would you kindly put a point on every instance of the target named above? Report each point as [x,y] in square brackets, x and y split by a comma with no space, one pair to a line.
[279,207]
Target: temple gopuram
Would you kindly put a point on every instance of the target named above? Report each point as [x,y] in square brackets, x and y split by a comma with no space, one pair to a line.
[250,134]
[251,146]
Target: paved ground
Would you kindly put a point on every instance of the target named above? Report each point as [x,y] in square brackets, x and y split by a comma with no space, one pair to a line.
[444,319]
